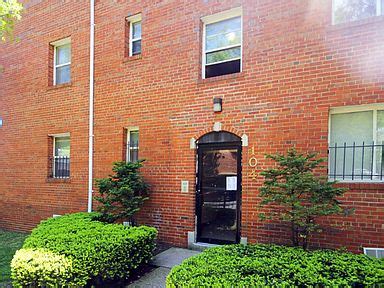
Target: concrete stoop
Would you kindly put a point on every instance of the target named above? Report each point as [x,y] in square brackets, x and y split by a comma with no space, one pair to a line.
[164,262]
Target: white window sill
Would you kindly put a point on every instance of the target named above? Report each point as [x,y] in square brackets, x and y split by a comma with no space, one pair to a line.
[58,86]
[237,75]
[356,23]
[58,180]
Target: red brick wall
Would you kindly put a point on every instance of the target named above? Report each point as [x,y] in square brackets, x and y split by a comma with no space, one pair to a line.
[296,66]
[32,109]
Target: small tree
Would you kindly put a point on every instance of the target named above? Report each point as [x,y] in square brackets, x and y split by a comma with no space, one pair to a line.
[301,196]
[10,12]
[123,193]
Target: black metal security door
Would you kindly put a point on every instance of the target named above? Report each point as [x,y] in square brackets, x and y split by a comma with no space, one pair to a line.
[218,194]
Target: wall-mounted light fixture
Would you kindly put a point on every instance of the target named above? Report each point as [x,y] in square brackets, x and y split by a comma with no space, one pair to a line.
[217,104]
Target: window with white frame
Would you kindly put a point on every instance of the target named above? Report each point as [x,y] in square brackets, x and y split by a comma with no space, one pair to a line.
[222,43]
[61,156]
[356,144]
[134,34]
[374,252]
[62,61]
[352,10]
[132,145]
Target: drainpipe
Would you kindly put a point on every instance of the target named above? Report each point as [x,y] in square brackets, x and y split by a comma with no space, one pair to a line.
[91,96]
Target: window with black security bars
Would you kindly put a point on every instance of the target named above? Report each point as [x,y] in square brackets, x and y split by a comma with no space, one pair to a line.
[356,146]
[60,161]
[132,149]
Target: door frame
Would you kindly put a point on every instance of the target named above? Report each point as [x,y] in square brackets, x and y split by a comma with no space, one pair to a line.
[198,202]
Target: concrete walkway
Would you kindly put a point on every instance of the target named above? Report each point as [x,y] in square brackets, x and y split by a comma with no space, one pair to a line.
[164,262]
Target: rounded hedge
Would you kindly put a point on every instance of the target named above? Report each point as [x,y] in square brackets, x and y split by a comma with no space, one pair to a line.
[40,268]
[272,265]
[97,251]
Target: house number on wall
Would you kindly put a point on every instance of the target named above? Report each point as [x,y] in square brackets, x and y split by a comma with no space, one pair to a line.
[252,162]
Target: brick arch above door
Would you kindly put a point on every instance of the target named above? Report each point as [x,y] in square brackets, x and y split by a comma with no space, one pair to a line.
[222,128]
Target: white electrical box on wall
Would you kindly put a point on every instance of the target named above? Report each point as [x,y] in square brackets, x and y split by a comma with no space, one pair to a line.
[184,186]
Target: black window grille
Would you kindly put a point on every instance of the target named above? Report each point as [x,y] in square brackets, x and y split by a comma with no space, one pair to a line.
[61,167]
[132,151]
[356,162]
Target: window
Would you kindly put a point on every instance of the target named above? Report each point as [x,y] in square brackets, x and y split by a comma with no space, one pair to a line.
[61,156]
[222,48]
[62,61]
[352,10]
[132,145]
[374,252]
[134,35]
[356,151]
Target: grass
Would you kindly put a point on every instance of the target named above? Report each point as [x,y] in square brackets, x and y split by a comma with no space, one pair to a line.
[9,243]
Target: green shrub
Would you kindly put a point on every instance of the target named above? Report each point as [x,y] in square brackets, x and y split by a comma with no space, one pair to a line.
[40,267]
[123,193]
[271,265]
[302,197]
[98,251]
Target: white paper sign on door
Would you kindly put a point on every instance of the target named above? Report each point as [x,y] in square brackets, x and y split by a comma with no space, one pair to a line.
[231,183]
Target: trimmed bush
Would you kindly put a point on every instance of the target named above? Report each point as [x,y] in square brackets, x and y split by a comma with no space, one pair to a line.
[271,265]
[97,251]
[40,267]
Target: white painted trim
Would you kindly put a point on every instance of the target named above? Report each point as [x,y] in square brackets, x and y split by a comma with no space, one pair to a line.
[374,138]
[133,19]
[356,108]
[244,140]
[56,45]
[66,134]
[231,13]
[378,7]
[333,12]
[329,144]
[218,17]
[53,155]
[132,128]
[244,240]
[223,61]
[203,62]
[217,127]
[61,42]
[222,48]
[192,143]
[54,65]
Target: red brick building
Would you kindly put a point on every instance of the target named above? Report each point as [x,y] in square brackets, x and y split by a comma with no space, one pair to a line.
[308,74]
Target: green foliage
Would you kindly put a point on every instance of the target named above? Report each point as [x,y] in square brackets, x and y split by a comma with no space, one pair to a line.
[123,193]
[10,12]
[301,196]
[278,266]
[39,268]
[97,251]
